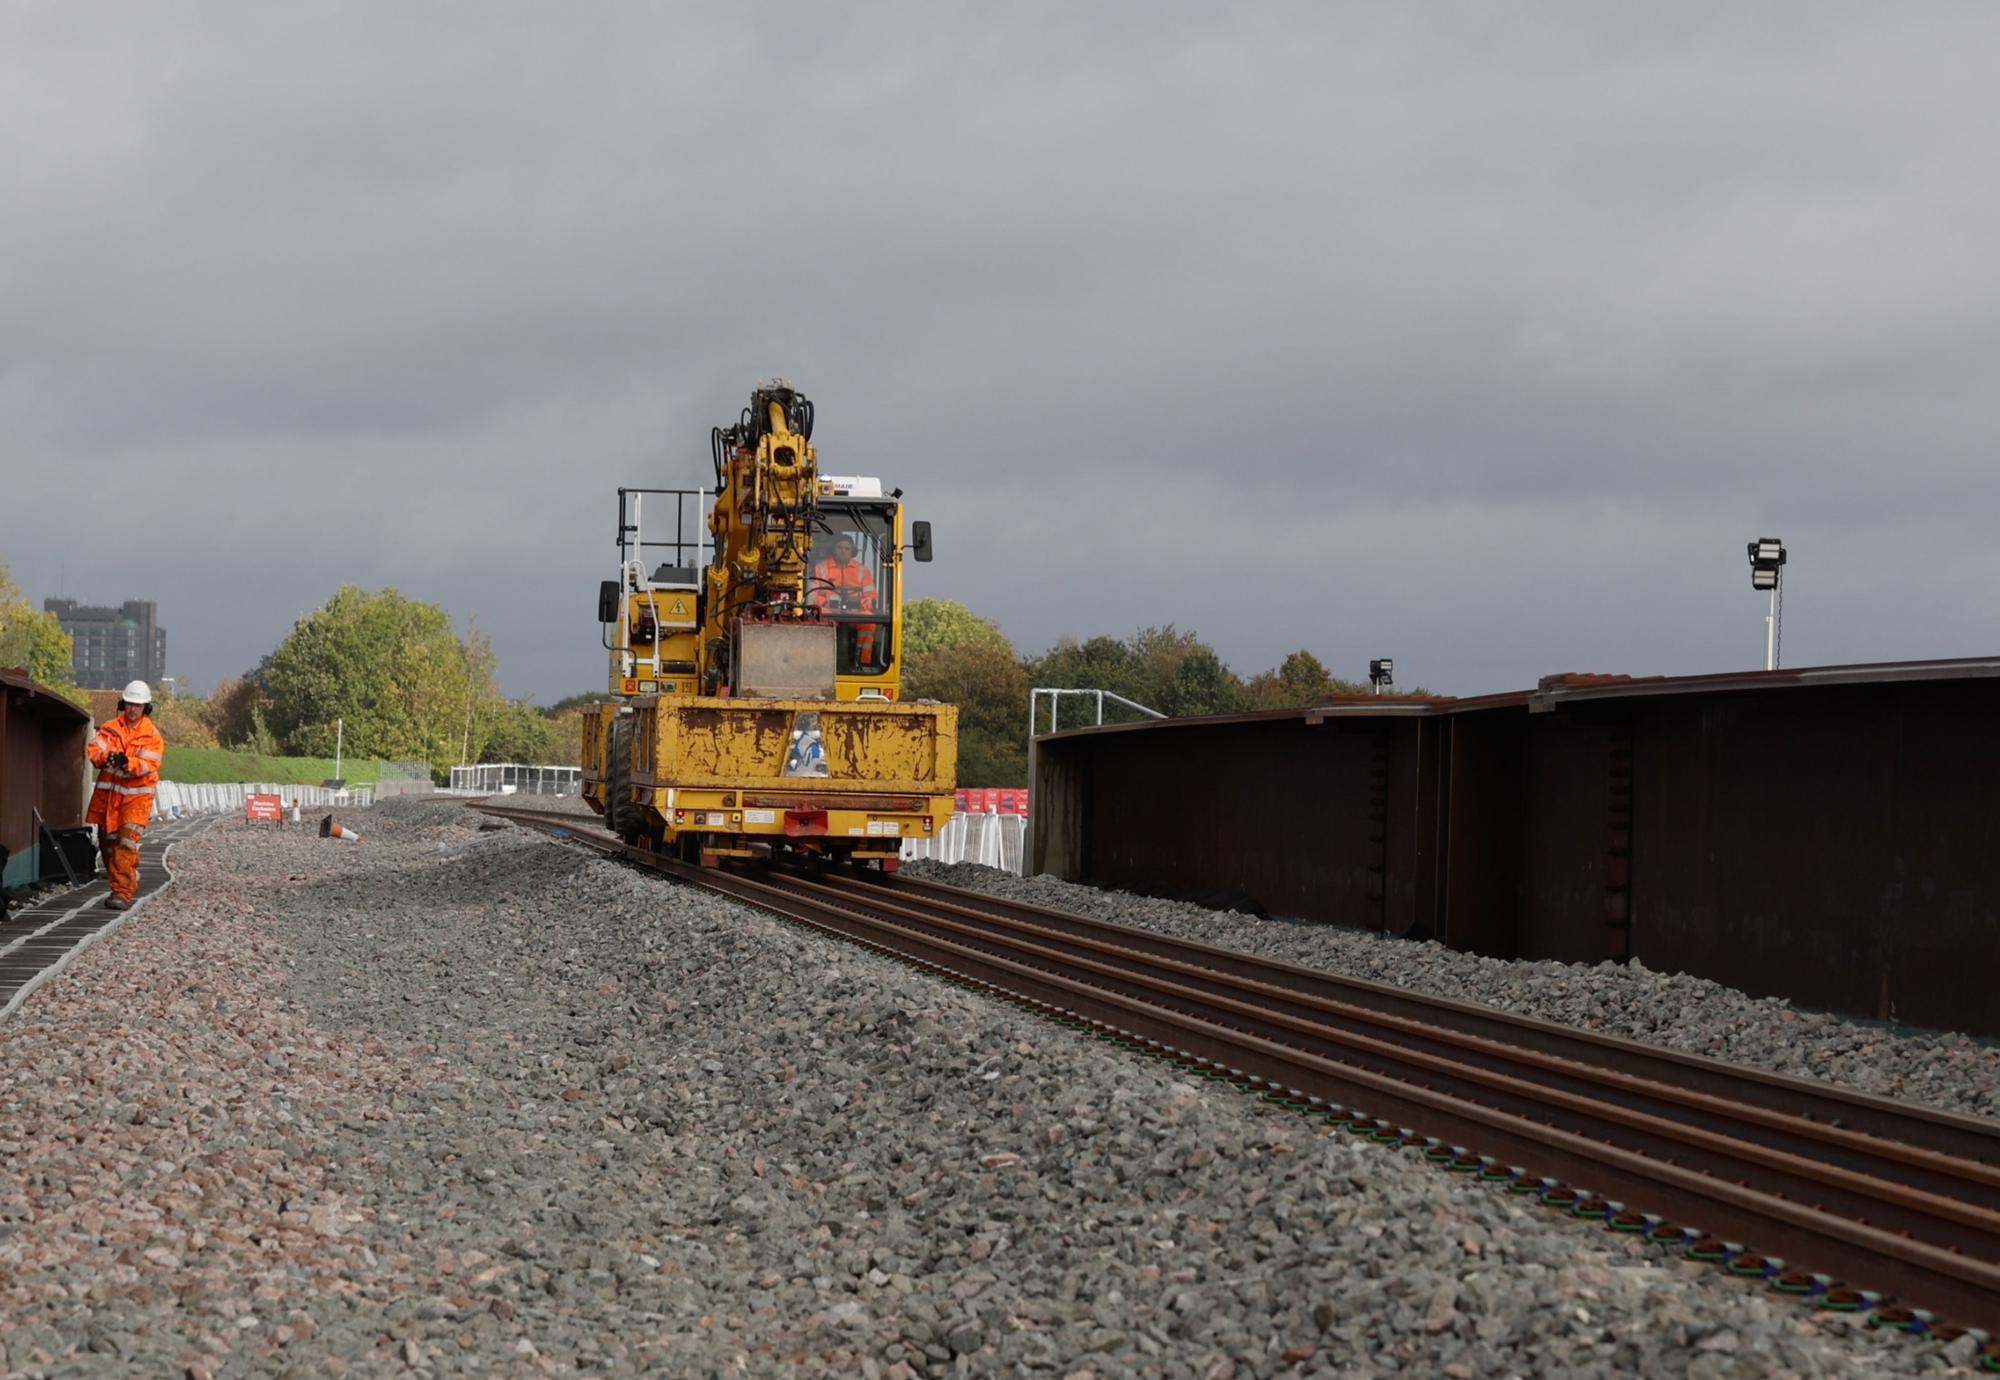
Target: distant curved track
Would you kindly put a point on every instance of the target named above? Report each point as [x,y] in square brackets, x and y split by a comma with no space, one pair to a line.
[1897,1198]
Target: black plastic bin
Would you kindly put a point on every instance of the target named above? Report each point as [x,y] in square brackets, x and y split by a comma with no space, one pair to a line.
[79,847]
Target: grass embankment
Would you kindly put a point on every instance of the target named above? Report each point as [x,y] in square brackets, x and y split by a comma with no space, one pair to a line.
[202,766]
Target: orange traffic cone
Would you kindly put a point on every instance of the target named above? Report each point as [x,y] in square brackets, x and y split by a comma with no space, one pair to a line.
[329,829]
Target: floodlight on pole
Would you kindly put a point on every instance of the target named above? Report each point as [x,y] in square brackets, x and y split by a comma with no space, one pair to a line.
[1381,672]
[1767,569]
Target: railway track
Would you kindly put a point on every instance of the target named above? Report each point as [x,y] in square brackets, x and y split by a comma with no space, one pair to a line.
[1804,1184]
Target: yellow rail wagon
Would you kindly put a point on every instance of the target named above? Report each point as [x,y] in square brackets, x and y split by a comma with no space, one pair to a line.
[755,660]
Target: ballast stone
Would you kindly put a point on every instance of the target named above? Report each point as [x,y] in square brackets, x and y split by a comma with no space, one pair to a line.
[433,1009]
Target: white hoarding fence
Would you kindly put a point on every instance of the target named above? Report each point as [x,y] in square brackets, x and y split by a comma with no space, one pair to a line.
[990,839]
[174,799]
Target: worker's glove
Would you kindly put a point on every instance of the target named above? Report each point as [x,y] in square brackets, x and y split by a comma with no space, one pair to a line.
[116,761]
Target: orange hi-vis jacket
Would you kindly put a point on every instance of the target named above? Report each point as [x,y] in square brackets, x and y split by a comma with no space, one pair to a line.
[842,580]
[835,582]
[125,798]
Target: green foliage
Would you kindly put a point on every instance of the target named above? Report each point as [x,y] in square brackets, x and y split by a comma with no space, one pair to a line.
[34,640]
[569,702]
[1301,679]
[931,625]
[1201,684]
[567,726]
[405,684]
[234,712]
[990,688]
[182,718]
[1183,674]
[1160,653]
[198,766]
[1102,663]
[518,732]
[260,739]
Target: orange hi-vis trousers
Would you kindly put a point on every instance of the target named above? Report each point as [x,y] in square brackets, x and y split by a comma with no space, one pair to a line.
[121,858]
[123,801]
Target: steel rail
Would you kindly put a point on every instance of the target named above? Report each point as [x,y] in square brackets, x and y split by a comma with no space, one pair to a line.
[1827,1218]
[1960,1223]
[1956,1136]
[1812,1120]
[1914,1166]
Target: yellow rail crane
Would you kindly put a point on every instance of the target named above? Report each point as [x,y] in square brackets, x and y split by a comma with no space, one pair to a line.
[755,662]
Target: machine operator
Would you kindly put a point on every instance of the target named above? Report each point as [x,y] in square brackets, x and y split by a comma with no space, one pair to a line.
[126,751]
[844,584]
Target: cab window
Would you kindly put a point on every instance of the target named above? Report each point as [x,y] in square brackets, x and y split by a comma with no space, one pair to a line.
[848,581]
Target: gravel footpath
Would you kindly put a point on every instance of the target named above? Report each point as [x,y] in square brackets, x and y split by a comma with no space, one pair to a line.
[452,1102]
[1675,1010]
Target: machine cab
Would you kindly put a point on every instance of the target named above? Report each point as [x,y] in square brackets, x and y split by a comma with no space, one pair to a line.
[854,581]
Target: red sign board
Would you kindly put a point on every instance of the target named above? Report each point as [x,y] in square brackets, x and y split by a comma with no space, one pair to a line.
[263,807]
[977,800]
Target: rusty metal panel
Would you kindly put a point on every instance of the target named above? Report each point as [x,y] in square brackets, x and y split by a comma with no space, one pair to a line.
[784,661]
[1061,771]
[723,743]
[1481,882]
[41,769]
[1575,797]
[1836,847]
[1831,835]
[1295,817]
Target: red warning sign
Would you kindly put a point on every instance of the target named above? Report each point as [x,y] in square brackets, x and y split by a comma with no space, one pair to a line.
[271,807]
[977,800]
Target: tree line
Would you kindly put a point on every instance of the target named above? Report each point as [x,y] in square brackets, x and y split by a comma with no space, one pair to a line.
[952,654]
[33,640]
[387,677]
[399,682]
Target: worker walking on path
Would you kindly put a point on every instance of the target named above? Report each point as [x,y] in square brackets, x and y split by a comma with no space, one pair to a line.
[126,751]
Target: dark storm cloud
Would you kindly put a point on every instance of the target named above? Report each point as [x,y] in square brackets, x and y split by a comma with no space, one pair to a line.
[1479,339]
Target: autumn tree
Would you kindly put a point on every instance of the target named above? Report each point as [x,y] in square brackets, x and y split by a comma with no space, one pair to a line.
[1102,663]
[405,685]
[1299,680]
[1200,684]
[566,726]
[990,688]
[183,719]
[516,731]
[235,708]
[1183,674]
[931,625]
[33,639]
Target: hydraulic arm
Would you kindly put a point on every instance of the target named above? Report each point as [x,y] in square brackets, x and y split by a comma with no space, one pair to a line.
[766,499]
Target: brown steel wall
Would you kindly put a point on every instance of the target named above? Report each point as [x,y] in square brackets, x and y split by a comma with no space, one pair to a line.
[1835,844]
[1276,810]
[1486,821]
[1840,847]
[1571,902]
[41,766]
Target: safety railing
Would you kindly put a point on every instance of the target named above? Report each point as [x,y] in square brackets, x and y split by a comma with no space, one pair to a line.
[516,778]
[1093,697]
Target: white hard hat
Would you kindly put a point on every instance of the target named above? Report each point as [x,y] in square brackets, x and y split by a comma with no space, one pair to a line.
[138,692]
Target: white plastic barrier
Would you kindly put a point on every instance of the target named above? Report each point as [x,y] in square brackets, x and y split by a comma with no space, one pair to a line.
[175,799]
[990,839]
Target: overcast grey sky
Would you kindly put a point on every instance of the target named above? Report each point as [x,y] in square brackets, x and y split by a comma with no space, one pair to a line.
[1481,337]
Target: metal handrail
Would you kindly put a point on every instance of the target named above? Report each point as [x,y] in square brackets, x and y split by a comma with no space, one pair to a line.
[1055,694]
